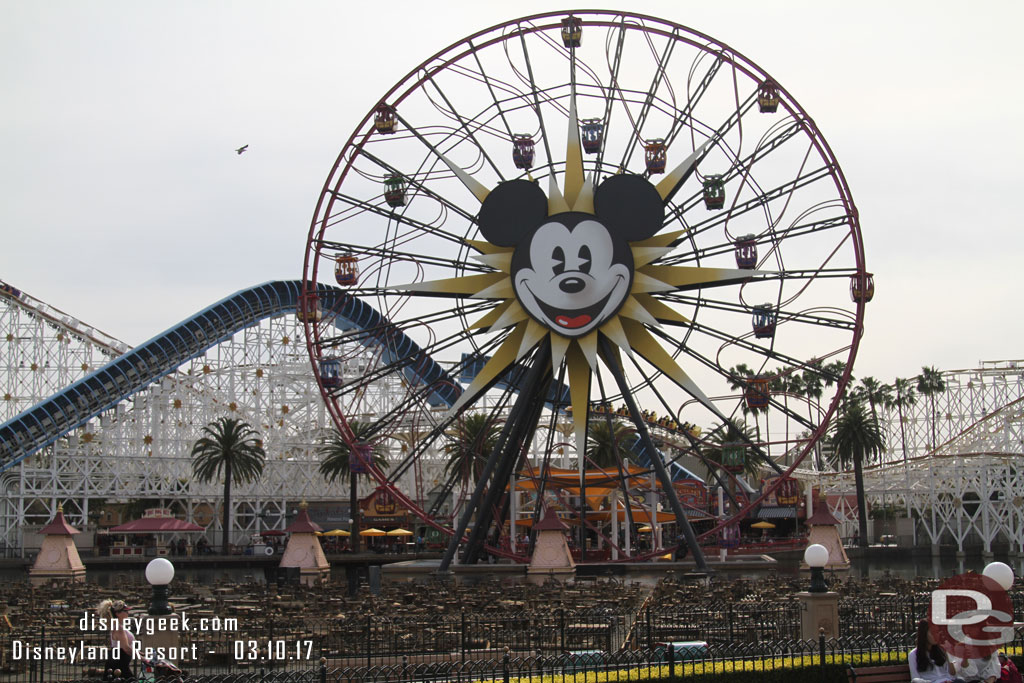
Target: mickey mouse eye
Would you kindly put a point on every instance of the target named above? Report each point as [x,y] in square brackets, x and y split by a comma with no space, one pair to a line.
[585,259]
[559,256]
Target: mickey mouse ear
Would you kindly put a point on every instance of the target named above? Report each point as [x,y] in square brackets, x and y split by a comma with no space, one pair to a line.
[629,206]
[510,211]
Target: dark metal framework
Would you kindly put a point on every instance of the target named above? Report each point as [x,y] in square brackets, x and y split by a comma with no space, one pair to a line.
[642,78]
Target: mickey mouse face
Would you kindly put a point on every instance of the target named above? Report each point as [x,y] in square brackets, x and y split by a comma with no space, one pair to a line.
[572,271]
[569,275]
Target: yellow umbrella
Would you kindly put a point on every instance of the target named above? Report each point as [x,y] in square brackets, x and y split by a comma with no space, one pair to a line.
[372,532]
[645,529]
[337,532]
[762,525]
[399,532]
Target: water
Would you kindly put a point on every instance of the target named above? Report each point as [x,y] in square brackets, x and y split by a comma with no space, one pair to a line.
[902,566]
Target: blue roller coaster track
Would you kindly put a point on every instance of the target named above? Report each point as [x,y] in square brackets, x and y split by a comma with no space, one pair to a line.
[45,422]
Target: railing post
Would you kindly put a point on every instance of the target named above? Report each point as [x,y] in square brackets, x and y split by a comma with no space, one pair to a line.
[561,627]
[405,668]
[368,662]
[462,637]
[650,634]
[505,665]
[821,651]
[671,662]
[731,634]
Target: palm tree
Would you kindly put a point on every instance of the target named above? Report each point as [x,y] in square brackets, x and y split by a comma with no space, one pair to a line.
[875,393]
[470,442]
[905,398]
[930,383]
[233,449]
[813,388]
[733,433]
[337,461]
[857,437]
[608,443]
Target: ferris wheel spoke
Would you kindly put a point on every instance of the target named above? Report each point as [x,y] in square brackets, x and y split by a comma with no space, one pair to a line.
[365,335]
[843,322]
[692,100]
[536,100]
[490,89]
[659,74]
[612,85]
[383,252]
[464,125]
[765,353]
[395,216]
[411,180]
[757,202]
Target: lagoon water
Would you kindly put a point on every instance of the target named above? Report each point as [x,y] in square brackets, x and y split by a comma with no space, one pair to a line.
[904,566]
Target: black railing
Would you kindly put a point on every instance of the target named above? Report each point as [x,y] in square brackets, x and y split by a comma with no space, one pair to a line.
[818,660]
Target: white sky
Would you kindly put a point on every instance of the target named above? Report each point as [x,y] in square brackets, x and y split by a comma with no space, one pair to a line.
[125,205]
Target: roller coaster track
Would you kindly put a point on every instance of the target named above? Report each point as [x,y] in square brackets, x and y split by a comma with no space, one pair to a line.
[70,408]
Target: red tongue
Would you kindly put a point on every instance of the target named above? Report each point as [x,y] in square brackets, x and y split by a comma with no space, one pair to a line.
[573,323]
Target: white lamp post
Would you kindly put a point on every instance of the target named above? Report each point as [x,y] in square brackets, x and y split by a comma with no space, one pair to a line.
[816,557]
[159,573]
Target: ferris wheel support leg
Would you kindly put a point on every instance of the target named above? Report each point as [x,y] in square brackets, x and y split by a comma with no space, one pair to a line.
[659,467]
[521,434]
[541,362]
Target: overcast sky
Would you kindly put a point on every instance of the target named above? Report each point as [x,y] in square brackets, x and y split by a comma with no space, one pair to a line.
[125,205]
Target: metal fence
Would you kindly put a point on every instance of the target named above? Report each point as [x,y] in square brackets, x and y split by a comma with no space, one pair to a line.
[825,660]
[293,643]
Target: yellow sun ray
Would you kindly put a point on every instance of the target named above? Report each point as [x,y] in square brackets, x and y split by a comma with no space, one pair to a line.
[659,310]
[647,346]
[502,289]
[559,345]
[471,183]
[644,255]
[645,283]
[632,309]
[467,284]
[578,371]
[613,330]
[588,345]
[664,239]
[556,202]
[671,182]
[585,200]
[492,315]
[513,314]
[683,276]
[534,333]
[502,359]
[487,247]
[574,179]
[502,262]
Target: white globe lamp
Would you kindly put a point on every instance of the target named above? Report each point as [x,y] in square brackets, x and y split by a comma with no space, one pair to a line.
[159,573]
[816,557]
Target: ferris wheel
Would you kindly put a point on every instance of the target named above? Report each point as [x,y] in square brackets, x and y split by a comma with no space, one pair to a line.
[565,220]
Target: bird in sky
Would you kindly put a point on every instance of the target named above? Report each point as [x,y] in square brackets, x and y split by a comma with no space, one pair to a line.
[242,149]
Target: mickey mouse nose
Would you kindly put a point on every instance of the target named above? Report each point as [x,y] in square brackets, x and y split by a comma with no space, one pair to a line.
[571,285]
